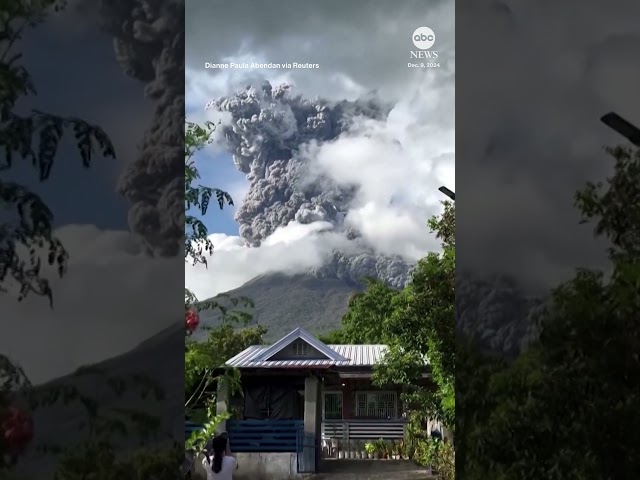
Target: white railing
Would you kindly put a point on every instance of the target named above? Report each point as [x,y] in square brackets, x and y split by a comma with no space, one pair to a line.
[346,430]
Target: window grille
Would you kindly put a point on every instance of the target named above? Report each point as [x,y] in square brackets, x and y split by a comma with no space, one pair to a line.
[300,349]
[332,406]
[377,404]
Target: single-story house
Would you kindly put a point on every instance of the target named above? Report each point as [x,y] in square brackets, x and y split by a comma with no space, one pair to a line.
[302,399]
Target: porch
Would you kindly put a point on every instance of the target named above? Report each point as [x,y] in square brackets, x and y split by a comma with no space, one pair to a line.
[358,417]
[363,439]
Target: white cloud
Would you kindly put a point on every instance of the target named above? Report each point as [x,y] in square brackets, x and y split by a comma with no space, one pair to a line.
[397,173]
[290,249]
[111,299]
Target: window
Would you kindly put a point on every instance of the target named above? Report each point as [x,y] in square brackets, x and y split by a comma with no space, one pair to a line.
[332,406]
[377,404]
[300,349]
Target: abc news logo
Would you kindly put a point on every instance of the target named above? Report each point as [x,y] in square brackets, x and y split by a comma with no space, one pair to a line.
[423,38]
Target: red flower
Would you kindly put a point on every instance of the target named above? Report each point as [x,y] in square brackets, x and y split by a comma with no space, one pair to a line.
[16,429]
[191,320]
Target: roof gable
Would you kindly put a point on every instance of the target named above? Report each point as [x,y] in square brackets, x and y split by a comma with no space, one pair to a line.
[303,335]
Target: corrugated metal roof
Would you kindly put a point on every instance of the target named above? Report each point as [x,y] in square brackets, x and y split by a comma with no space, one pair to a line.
[299,334]
[355,356]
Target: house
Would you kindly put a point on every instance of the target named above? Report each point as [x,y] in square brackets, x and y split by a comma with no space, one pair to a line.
[302,400]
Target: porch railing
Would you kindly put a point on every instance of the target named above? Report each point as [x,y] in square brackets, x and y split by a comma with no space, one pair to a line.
[363,429]
[263,435]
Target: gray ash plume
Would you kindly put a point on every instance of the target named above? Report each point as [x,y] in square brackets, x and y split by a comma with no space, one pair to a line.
[149,45]
[268,132]
[497,313]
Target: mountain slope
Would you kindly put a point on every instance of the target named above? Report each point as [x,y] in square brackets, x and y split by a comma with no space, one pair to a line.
[495,312]
[157,359]
[283,302]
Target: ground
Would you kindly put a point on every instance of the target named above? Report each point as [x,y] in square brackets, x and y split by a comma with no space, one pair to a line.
[370,470]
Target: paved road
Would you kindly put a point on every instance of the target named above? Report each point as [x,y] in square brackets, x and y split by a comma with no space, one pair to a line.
[371,470]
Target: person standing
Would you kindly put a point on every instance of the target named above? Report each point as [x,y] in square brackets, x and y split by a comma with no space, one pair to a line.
[220,465]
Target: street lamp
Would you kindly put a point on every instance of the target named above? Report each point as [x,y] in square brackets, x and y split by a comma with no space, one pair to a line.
[448,193]
[623,127]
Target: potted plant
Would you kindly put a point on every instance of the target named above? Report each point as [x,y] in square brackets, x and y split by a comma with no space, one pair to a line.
[380,449]
[335,448]
[402,448]
[370,448]
[363,453]
[394,451]
[353,449]
[386,450]
[341,450]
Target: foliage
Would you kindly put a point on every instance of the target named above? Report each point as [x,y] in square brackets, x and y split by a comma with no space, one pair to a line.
[94,456]
[559,411]
[204,359]
[29,240]
[417,324]
[473,374]
[196,242]
[422,328]
[366,318]
[28,237]
[437,454]
[104,464]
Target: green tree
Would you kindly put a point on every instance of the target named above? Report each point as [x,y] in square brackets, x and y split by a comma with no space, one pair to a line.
[108,425]
[421,329]
[197,244]
[474,372]
[204,362]
[418,325]
[196,196]
[366,320]
[28,239]
[568,407]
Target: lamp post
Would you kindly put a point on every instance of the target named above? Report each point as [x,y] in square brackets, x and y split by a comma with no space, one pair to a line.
[448,193]
[623,127]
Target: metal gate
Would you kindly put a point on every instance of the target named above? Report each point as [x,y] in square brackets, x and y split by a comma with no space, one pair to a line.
[307,452]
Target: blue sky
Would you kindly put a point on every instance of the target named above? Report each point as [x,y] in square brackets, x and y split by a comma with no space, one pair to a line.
[218,170]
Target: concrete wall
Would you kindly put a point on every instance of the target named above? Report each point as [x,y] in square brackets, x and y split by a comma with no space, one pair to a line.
[259,466]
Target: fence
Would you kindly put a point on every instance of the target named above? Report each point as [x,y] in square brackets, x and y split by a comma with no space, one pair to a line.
[264,435]
[344,430]
[190,427]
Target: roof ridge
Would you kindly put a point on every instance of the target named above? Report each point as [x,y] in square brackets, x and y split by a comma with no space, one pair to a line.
[300,334]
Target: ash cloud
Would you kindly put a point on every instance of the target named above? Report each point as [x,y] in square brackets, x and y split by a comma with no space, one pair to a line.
[267,135]
[149,45]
